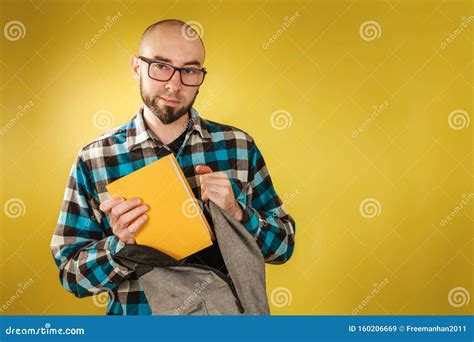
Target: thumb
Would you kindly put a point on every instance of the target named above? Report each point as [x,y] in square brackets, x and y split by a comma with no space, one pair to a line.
[203,169]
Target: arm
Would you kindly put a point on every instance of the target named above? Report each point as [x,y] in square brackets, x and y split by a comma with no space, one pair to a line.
[81,246]
[264,215]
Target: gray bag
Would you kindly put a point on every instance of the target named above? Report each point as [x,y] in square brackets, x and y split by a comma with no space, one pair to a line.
[175,288]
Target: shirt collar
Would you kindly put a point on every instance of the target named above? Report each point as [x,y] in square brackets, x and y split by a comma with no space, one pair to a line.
[137,132]
[200,125]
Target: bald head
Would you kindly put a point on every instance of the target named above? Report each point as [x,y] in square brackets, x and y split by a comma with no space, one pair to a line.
[172,34]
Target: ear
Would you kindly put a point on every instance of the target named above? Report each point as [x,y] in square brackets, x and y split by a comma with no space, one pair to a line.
[135,67]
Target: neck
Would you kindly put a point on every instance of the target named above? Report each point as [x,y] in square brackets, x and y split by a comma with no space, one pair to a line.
[165,133]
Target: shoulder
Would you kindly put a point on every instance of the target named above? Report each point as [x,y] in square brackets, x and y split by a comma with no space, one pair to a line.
[108,144]
[219,131]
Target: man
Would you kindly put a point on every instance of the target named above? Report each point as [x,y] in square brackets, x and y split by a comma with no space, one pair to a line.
[221,163]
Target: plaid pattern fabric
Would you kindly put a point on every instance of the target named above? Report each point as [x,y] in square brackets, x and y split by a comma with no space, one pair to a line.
[83,243]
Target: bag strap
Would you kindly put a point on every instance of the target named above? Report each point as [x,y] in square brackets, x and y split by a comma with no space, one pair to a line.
[143,259]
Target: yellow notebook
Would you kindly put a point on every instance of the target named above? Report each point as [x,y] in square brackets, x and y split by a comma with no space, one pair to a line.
[176,224]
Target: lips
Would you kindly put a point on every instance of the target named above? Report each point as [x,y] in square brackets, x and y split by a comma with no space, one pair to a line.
[166,99]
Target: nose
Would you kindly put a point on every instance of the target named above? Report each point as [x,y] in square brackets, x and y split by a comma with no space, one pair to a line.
[174,84]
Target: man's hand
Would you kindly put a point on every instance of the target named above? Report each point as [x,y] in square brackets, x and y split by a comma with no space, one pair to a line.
[126,217]
[215,186]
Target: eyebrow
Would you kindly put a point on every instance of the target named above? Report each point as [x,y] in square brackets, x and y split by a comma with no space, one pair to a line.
[167,60]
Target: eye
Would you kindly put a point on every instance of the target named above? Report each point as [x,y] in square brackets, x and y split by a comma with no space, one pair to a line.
[189,71]
[161,66]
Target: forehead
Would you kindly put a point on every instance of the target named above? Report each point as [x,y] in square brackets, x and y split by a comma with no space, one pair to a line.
[169,42]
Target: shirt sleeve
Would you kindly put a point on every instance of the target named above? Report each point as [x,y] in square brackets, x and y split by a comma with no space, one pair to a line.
[82,247]
[265,216]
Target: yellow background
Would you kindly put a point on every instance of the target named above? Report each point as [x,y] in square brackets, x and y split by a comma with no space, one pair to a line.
[327,78]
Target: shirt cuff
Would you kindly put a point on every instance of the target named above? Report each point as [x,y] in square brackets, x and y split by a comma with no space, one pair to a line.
[115,245]
[251,219]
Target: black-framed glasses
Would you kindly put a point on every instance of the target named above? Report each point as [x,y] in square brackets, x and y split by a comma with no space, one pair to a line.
[161,71]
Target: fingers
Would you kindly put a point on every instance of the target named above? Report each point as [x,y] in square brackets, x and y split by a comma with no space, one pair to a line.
[214,175]
[223,189]
[204,193]
[107,205]
[210,179]
[215,182]
[216,197]
[203,169]
[215,193]
[137,224]
[126,237]
[125,206]
[127,218]
[204,196]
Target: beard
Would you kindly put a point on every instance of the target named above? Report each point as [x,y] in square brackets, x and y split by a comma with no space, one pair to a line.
[166,114]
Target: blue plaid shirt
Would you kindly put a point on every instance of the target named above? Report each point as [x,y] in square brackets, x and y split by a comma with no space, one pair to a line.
[83,244]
